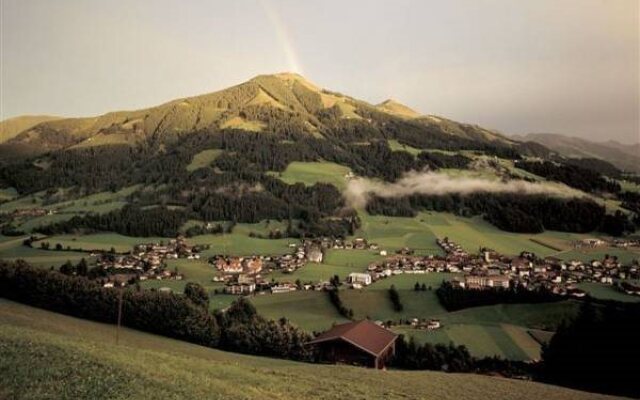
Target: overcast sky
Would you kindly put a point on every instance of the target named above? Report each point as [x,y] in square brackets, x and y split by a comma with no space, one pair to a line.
[563,66]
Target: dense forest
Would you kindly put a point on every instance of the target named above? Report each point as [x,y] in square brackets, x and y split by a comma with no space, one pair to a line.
[455,298]
[509,212]
[597,351]
[579,177]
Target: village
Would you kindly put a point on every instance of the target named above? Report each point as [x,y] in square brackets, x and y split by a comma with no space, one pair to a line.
[245,275]
[147,261]
[486,270]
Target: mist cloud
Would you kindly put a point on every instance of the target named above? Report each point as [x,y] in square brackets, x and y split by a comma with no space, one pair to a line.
[359,190]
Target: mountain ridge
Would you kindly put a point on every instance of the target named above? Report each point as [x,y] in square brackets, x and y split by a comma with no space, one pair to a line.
[294,102]
[625,157]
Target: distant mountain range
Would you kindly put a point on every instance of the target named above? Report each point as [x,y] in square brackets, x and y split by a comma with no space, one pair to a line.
[264,103]
[623,156]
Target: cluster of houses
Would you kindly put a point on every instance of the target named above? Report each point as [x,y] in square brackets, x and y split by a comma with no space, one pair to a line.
[339,244]
[31,212]
[244,275]
[489,269]
[146,261]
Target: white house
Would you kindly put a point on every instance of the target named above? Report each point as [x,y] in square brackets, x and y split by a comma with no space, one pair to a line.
[356,277]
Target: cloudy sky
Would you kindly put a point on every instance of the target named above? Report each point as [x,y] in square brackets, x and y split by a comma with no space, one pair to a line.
[564,66]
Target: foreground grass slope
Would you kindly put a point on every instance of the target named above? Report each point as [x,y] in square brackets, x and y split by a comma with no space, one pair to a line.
[45,355]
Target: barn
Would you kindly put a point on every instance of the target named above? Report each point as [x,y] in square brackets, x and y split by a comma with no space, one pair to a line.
[363,343]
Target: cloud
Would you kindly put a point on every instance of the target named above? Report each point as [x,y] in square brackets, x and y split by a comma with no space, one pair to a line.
[359,190]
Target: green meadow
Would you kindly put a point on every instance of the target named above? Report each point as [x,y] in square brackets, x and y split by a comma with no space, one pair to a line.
[203,159]
[99,241]
[397,146]
[311,173]
[421,232]
[587,255]
[83,362]
[607,292]
[310,310]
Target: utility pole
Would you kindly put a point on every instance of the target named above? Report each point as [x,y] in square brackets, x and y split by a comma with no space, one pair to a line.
[120,294]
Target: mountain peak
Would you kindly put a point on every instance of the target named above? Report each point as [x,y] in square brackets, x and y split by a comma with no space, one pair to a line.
[394,107]
[289,78]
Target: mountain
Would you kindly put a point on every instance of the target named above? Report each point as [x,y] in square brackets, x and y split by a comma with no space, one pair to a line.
[11,127]
[625,157]
[393,107]
[279,103]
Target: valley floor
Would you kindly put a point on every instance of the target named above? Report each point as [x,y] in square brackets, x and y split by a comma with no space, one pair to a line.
[44,355]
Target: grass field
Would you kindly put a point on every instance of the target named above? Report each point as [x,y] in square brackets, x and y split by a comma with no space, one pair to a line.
[8,194]
[33,223]
[98,202]
[629,186]
[544,316]
[393,233]
[397,146]
[309,310]
[30,201]
[587,255]
[260,228]
[311,173]
[492,330]
[203,159]
[507,341]
[501,330]
[241,245]
[99,241]
[420,233]
[82,362]
[11,249]
[606,292]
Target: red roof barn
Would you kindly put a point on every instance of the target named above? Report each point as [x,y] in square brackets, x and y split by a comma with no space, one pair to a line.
[358,343]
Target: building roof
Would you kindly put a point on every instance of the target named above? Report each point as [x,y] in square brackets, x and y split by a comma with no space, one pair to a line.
[364,334]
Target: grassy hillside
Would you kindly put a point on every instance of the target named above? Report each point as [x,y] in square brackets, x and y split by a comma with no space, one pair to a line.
[286,96]
[82,362]
[395,108]
[10,128]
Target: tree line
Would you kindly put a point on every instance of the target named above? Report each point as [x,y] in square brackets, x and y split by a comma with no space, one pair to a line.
[585,179]
[184,317]
[507,211]
[455,298]
[334,298]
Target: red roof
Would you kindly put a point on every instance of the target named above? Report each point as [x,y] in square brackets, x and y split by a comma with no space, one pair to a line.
[364,334]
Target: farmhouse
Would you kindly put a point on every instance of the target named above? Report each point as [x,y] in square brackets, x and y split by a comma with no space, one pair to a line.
[489,281]
[359,278]
[361,343]
[315,255]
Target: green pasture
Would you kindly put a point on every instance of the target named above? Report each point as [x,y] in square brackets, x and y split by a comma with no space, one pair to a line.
[310,310]
[587,255]
[397,146]
[99,241]
[241,245]
[83,362]
[203,159]
[607,292]
[311,173]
